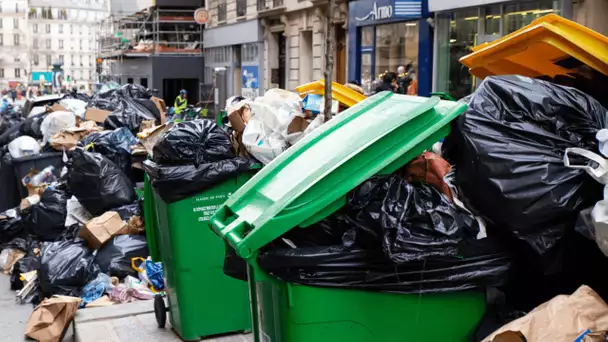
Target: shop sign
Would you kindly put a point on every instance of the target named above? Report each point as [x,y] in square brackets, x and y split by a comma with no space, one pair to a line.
[385,10]
[250,85]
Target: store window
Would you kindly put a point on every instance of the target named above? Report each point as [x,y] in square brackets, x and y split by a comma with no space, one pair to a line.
[459,31]
[396,45]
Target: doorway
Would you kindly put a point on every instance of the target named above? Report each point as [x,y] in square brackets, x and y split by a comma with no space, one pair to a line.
[172,86]
[277,53]
[340,53]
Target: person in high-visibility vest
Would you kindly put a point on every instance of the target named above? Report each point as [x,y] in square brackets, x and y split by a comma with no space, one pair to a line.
[181,102]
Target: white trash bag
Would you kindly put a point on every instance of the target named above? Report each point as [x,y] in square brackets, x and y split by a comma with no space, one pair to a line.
[23,146]
[56,122]
[75,106]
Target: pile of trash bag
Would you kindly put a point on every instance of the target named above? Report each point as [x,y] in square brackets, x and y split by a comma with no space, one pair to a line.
[11,225]
[114,145]
[391,236]
[98,183]
[66,267]
[191,157]
[508,149]
[45,220]
[32,126]
[115,257]
[193,142]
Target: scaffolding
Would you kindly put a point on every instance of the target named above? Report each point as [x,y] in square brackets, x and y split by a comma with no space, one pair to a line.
[152,32]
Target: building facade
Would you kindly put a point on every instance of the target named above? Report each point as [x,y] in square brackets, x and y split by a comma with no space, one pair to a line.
[387,34]
[13,43]
[268,44]
[461,25]
[234,40]
[36,34]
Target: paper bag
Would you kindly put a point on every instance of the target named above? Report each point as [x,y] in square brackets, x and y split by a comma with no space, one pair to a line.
[562,319]
[51,318]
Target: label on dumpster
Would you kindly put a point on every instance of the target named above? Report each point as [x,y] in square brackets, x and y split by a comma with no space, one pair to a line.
[206,210]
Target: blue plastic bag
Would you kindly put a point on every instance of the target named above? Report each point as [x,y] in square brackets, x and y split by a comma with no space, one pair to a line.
[150,272]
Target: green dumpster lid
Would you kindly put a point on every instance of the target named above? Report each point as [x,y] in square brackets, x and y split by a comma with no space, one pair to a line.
[310,180]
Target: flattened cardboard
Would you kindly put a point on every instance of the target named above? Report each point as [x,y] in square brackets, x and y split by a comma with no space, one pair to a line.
[162,108]
[101,229]
[97,115]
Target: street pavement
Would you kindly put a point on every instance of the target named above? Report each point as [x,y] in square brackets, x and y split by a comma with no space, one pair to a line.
[136,327]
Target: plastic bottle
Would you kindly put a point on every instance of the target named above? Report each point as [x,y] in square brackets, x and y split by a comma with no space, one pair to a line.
[42,177]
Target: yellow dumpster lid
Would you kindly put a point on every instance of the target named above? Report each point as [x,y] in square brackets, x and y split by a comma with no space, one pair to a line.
[340,93]
[549,46]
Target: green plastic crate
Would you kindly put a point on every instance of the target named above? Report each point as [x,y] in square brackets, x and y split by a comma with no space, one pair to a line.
[310,181]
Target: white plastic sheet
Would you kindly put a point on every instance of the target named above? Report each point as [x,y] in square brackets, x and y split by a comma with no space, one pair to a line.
[75,106]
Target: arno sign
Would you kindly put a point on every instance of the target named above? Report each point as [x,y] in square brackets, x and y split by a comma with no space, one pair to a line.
[378,10]
[378,13]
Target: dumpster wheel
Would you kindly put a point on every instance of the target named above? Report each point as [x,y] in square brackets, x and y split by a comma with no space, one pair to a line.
[160,311]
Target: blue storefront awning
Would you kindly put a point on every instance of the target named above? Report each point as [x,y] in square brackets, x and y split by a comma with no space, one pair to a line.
[366,12]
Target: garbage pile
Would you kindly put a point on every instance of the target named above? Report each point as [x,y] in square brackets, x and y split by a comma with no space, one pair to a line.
[72,224]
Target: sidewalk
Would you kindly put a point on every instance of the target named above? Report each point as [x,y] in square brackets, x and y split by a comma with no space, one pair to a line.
[132,322]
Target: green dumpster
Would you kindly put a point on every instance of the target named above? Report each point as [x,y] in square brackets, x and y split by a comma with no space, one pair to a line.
[150,220]
[202,300]
[308,182]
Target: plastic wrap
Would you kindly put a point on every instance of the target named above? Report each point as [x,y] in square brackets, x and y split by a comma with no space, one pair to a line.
[127,211]
[46,220]
[194,142]
[75,105]
[65,268]
[173,183]
[114,257]
[508,149]
[98,183]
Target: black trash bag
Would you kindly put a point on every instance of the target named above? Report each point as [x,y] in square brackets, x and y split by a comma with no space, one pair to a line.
[234,265]
[151,107]
[65,267]
[30,262]
[77,96]
[108,102]
[10,120]
[129,114]
[114,145]
[11,225]
[477,265]
[114,258]
[174,183]
[508,149]
[46,219]
[135,91]
[10,134]
[127,211]
[410,221]
[32,126]
[98,184]
[194,142]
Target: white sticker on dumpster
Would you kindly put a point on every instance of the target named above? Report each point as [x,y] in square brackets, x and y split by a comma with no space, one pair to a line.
[206,211]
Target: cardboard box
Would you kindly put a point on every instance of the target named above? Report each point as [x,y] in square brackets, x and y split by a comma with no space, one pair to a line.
[152,138]
[58,108]
[51,318]
[162,108]
[102,228]
[239,115]
[298,124]
[97,115]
